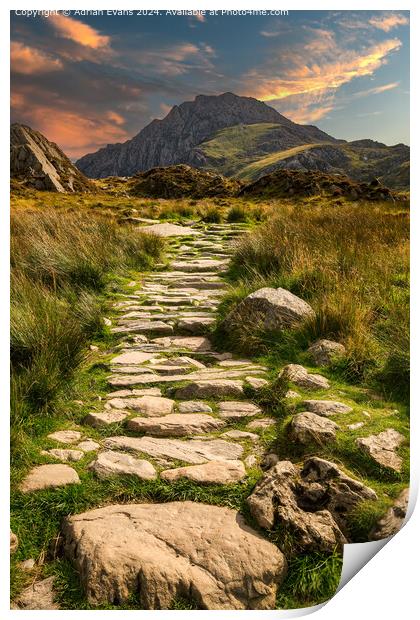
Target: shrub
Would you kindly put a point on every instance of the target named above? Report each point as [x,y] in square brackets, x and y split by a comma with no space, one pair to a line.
[237,213]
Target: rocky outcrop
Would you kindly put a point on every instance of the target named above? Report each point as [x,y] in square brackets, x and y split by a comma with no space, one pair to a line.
[182,181]
[179,549]
[312,503]
[40,164]
[287,183]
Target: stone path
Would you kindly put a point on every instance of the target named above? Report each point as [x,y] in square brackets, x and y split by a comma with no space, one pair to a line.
[177,410]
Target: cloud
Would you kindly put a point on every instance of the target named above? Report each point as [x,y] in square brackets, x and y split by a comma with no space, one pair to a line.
[387,22]
[78,32]
[200,17]
[29,60]
[376,90]
[177,59]
[165,109]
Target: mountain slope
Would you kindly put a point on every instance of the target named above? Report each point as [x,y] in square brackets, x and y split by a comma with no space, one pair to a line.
[38,163]
[173,139]
[250,151]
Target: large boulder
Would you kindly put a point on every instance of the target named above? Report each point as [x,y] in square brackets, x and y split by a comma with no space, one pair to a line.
[178,549]
[270,309]
[311,503]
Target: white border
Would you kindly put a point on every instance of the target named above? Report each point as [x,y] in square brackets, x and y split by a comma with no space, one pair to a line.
[387,586]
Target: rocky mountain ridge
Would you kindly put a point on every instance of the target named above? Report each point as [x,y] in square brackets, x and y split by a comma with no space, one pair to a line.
[37,163]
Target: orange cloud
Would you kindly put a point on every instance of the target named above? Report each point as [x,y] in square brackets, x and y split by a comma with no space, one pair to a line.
[331,67]
[306,115]
[28,60]
[115,117]
[78,32]
[388,22]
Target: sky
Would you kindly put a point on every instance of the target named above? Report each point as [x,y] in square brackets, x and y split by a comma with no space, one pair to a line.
[85,81]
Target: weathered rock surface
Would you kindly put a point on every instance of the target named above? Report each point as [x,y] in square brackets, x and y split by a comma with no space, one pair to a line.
[211,388]
[323,351]
[98,419]
[256,383]
[312,503]
[49,476]
[231,409]
[147,405]
[65,436]
[194,406]
[168,230]
[112,463]
[40,164]
[213,472]
[177,549]
[381,448]
[326,407]
[132,357]
[307,428]
[235,434]
[88,445]
[394,518]
[270,309]
[300,376]
[39,595]
[65,455]
[193,451]
[176,424]
[262,423]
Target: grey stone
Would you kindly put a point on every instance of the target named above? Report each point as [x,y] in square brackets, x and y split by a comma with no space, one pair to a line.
[393,519]
[48,476]
[111,463]
[39,595]
[175,424]
[104,418]
[381,448]
[237,409]
[211,388]
[262,423]
[213,472]
[64,455]
[307,428]
[300,376]
[323,352]
[65,436]
[326,407]
[194,406]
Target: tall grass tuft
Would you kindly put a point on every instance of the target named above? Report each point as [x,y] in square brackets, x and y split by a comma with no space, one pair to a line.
[351,264]
[59,263]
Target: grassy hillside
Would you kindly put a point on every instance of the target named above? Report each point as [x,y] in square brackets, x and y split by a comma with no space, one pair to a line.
[248,152]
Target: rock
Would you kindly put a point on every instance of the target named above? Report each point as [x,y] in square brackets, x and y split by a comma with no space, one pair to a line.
[168,230]
[326,407]
[292,394]
[323,352]
[234,434]
[88,446]
[300,376]
[210,388]
[134,393]
[40,164]
[112,463]
[175,424]
[193,451]
[191,343]
[14,542]
[161,551]
[157,327]
[64,455]
[147,405]
[355,426]
[381,448]
[312,503]
[271,309]
[104,418]
[194,406]
[262,423]
[132,357]
[307,428]
[27,565]
[270,460]
[195,325]
[251,460]
[107,321]
[256,383]
[39,595]
[237,409]
[199,265]
[65,436]
[394,518]
[49,476]
[213,472]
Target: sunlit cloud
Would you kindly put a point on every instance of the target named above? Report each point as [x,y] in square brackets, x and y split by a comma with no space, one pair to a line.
[387,22]
[177,59]
[28,60]
[376,90]
[78,32]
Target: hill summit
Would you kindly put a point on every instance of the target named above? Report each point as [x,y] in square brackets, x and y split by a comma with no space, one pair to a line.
[40,164]
[173,140]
